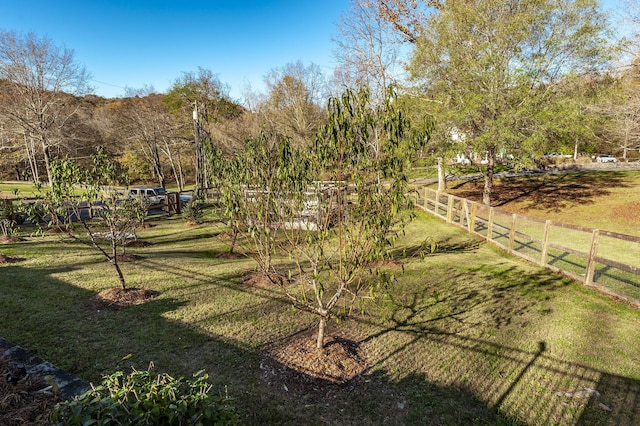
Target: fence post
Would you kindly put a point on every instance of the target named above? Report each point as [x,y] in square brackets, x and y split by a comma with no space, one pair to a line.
[512,232]
[472,219]
[449,208]
[545,243]
[490,225]
[426,199]
[591,261]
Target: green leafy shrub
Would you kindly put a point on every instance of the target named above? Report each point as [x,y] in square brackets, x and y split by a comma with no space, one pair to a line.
[146,398]
[193,211]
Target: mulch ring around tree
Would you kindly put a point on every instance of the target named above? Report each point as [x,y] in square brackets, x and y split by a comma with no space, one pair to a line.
[261,280]
[24,399]
[117,297]
[8,239]
[230,255]
[128,257]
[4,259]
[297,367]
[137,243]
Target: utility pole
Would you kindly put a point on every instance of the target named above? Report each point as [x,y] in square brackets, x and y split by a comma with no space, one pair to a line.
[199,159]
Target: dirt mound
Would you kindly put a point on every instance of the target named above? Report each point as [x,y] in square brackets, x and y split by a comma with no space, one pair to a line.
[137,243]
[9,259]
[299,368]
[117,297]
[8,239]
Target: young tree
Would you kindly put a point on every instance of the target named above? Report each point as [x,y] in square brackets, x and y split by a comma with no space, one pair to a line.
[256,186]
[41,77]
[363,151]
[496,67]
[66,209]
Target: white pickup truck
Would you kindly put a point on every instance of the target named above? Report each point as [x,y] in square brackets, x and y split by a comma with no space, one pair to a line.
[155,195]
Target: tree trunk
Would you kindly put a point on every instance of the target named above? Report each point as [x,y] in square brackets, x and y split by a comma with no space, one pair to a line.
[488,176]
[114,261]
[442,182]
[321,327]
[47,161]
[31,156]
[234,237]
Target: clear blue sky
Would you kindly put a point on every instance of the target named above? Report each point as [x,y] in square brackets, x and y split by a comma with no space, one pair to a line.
[152,42]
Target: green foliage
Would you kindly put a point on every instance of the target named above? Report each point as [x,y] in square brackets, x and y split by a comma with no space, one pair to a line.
[8,223]
[76,191]
[135,166]
[499,73]
[193,211]
[363,152]
[146,398]
[260,188]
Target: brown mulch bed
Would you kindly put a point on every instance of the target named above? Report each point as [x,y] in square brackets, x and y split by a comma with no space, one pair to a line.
[128,257]
[137,243]
[261,280]
[9,259]
[230,255]
[117,297]
[20,402]
[299,368]
[8,239]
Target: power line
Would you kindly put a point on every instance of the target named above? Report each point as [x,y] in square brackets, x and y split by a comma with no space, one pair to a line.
[108,84]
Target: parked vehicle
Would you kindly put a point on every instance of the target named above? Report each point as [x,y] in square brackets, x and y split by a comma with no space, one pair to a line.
[155,195]
[606,158]
[557,155]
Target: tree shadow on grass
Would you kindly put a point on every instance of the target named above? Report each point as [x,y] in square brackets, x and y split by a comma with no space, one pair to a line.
[550,192]
[437,337]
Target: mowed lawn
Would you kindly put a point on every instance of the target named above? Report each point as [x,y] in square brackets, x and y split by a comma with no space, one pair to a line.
[608,200]
[467,335]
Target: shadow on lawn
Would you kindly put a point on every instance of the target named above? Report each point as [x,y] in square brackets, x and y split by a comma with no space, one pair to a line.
[434,335]
[551,192]
[430,372]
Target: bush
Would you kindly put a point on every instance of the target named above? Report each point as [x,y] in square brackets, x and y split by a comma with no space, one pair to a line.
[193,211]
[146,398]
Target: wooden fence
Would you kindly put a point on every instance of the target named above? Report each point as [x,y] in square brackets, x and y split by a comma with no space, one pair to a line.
[607,261]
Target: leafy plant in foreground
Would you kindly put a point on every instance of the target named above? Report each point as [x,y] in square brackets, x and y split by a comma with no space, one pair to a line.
[146,398]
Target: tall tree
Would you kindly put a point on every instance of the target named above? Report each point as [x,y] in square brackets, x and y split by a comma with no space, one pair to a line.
[368,50]
[497,68]
[147,122]
[623,110]
[293,106]
[40,75]
[201,99]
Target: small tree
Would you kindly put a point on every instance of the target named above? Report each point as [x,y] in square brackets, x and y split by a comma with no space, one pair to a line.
[254,187]
[364,152]
[66,209]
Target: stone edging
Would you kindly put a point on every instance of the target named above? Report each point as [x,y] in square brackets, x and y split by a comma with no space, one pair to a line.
[69,385]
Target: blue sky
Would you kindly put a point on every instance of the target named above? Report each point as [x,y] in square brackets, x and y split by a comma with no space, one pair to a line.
[152,42]
[128,43]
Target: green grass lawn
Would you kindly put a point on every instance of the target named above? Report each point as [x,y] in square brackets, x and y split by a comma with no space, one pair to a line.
[467,335]
[604,200]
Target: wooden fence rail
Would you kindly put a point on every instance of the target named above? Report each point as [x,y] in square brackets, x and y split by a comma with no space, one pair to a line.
[607,261]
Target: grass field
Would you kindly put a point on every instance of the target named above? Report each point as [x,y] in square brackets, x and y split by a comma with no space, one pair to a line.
[468,335]
[604,200]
